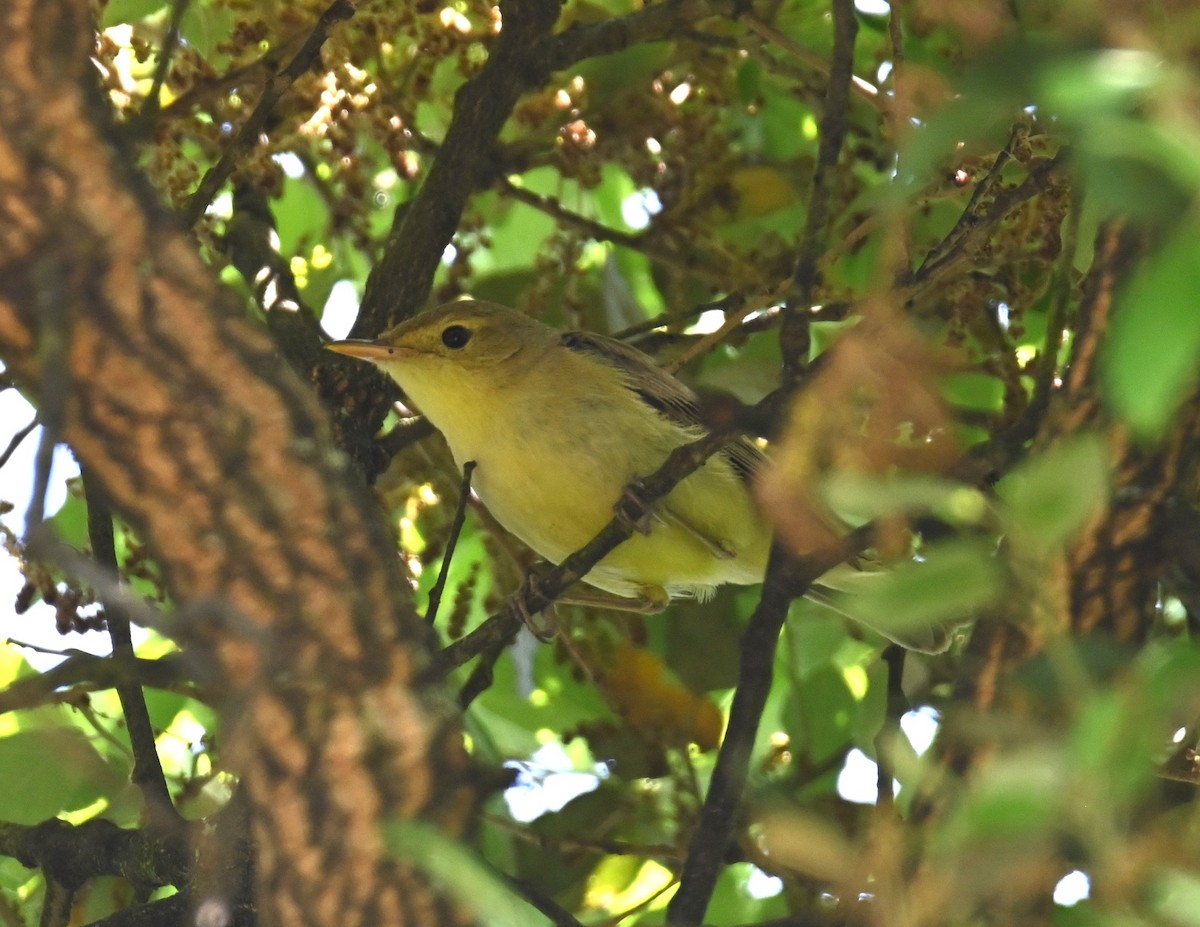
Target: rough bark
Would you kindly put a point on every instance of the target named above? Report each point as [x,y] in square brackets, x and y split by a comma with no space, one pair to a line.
[287,584]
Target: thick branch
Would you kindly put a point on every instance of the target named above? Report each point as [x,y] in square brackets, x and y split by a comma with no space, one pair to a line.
[400,282]
[208,444]
[73,855]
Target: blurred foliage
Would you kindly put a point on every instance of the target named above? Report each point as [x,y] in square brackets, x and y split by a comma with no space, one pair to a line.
[988,145]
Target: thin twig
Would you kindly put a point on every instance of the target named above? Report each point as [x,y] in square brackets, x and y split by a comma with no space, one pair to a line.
[549,843]
[865,89]
[276,87]
[726,304]
[57,905]
[537,595]
[794,333]
[732,323]
[147,767]
[786,577]
[833,134]
[153,105]
[16,440]
[974,225]
[505,629]
[1056,318]
[697,265]
[971,214]
[897,704]
[86,672]
[558,915]
[460,515]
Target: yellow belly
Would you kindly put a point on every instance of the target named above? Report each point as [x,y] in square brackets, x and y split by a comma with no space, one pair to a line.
[556,503]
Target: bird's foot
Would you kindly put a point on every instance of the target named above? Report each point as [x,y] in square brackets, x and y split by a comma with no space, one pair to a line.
[634,511]
[542,624]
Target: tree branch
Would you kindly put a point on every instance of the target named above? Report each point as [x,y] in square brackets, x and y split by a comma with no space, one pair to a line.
[399,284]
[73,854]
[87,672]
[223,461]
[147,768]
[276,87]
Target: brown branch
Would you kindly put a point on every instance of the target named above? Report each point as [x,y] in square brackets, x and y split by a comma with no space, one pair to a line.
[56,905]
[153,102]
[977,222]
[794,336]
[400,283]
[276,87]
[174,911]
[89,673]
[248,242]
[147,768]
[787,579]
[693,262]
[894,657]
[222,460]
[75,854]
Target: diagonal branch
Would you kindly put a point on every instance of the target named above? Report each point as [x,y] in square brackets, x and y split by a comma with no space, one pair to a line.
[276,87]
[399,284]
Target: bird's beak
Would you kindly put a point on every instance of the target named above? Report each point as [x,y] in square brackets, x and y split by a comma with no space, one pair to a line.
[363,350]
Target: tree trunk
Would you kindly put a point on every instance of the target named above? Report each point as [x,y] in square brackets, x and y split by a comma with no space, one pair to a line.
[287,584]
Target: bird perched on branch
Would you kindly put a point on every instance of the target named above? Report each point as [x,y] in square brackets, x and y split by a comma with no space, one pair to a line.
[559,424]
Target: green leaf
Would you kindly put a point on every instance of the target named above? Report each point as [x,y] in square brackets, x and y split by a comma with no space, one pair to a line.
[948,583]
[301,217]
[1018,798]
[461,874]
[826,713]
[974,391]
[749,80]
[1114,744]
[70,522]
[50,770]
[814,635]
[1150,361]
[1107,81]
[732,902]
[784,121]
[1175,896]
[1050,495]
[866,496]
[205,26]
[129,11]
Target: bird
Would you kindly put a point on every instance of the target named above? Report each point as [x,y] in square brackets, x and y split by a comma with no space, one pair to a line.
[559,424]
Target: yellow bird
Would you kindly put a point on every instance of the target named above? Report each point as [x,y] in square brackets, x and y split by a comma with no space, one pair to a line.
[558,425]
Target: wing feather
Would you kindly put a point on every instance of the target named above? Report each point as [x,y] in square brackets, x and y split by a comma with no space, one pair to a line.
[662,392]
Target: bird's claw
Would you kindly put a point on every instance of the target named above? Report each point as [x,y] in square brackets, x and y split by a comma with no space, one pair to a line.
[540,626]
[634,511]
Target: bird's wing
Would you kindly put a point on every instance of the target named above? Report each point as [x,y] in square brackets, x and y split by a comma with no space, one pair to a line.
[661,391]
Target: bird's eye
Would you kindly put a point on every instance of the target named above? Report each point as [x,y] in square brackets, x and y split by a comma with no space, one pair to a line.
[456,336]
